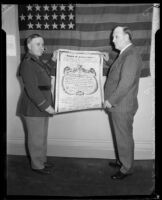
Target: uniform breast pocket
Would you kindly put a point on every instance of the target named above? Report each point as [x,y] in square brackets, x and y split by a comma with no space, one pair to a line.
[43,77]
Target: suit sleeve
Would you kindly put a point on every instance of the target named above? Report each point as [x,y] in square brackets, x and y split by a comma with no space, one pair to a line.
[129,73]
[29,78]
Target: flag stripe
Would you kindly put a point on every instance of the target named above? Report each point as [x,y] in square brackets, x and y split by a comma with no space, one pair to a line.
[51,48]
[108,18]
[145,57]
[87,43]
[137,34]
[111,25]
[83,9]
[98,5]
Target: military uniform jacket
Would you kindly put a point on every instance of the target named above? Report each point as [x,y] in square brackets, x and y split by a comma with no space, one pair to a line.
[121,87]
[36,96]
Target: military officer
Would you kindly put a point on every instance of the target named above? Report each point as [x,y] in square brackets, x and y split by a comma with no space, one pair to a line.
[36,104]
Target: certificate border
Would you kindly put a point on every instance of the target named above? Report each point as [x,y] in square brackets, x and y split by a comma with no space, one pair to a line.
[60,51]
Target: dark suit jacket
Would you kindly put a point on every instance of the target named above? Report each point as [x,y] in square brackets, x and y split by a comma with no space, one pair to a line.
[36,77]
[121,87]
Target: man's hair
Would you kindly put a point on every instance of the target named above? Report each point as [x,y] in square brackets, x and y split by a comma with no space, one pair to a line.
[126,30]
[29,39]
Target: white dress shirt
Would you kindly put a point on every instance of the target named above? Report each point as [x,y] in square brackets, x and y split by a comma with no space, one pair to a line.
[125,47]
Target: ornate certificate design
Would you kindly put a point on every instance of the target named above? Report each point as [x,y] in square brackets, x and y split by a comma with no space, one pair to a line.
[78,80]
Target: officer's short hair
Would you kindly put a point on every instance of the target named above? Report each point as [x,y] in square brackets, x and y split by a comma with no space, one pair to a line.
[29,38]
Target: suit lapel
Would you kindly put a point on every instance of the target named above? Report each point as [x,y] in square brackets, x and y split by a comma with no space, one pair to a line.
[119,58]
[115,64]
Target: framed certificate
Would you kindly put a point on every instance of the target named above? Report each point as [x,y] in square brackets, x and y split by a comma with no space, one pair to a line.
[78,80]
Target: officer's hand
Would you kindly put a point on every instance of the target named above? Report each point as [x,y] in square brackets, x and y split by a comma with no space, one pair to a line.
[54,56]
[50,110]
[105,56]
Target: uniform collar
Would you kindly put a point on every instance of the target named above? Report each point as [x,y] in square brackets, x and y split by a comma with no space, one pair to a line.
[29,55]
[35,59]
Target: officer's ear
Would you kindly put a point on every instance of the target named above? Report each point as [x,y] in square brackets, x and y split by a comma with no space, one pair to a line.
[29,45]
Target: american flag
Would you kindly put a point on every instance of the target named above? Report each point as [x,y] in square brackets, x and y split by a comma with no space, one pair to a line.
[86,27]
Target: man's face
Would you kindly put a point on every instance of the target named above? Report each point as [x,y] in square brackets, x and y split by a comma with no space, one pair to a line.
[119,38]
[36,46]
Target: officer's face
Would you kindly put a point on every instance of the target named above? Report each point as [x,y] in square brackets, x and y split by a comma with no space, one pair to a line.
[36,46]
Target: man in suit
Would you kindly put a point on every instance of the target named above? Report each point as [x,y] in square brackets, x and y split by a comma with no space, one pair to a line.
[36,104]
[121,103]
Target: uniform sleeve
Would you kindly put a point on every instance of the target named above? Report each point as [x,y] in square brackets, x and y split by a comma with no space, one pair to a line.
[29,77]
[52,67]
[129,74]
[106,64]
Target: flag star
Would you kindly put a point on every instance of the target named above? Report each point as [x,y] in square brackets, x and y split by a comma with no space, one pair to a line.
[54,25]
[63,16]
[54,7]
[38,25]
[71,25]
[46,7]
[71,7]
[62,7]
[38,16]
[29,7]
[62,26]
[46,26]
[71,16]
[54,16]
[46,16]
[30,16]
[22,17]
[30,25]
[37,7]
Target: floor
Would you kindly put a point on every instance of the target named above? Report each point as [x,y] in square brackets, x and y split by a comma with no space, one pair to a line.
[77,177]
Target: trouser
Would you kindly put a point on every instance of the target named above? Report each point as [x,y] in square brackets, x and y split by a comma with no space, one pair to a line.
[37,128]
[123,129]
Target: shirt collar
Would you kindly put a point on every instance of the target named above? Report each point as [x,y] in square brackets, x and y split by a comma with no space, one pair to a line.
[125,47]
